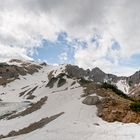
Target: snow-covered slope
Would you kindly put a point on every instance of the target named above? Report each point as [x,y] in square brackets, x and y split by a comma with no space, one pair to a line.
[78,121]
[123,86]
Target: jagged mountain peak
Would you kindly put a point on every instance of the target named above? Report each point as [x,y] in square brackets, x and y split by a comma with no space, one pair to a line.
[32,100]
[11,70]
[97,69]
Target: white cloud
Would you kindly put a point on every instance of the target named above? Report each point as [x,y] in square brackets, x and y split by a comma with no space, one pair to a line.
[7,53]
[24,23]
[20,30]
[102,56]
[63,57]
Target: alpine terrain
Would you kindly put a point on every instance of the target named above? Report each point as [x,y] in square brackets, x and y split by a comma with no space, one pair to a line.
[46,102]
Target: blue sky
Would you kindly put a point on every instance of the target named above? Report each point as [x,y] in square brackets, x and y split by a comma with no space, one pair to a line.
[50,51]
[91,33]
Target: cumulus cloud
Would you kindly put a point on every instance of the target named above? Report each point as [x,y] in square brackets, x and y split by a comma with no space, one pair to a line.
[24,23]
[63,57]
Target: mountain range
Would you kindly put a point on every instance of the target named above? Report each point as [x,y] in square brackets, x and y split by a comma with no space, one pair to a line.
[65,102]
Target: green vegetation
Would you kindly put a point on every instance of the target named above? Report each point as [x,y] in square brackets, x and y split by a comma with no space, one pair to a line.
[3,65]
[83,81]
[135,106]
[116,90]
[62,75]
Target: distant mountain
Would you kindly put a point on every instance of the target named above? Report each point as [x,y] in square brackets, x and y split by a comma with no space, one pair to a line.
[14,68]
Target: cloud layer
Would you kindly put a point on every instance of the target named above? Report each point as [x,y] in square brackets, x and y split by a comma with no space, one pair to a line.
[25,23]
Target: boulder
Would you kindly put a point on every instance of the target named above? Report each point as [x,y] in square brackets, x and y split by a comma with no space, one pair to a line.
[91,100]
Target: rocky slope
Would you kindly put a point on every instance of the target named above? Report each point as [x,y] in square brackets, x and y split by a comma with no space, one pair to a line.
[126,84]
[65,102]
[14,68]
[9,71]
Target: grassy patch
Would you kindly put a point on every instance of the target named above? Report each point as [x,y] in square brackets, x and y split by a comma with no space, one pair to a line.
[62,75]
[116,90]
[83,81]
[135,106]
[3,65]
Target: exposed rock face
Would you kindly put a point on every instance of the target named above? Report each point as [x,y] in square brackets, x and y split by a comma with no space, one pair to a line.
[135,92]
[91,100]
[32,127]
[134,79]
[75,71]
[10,72]
[51,82]
[95,74]
[98,75]
[43,64]
[60,78]
[61,82]
[15,60]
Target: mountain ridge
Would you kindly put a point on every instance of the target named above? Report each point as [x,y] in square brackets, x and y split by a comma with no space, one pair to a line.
[95,74]
[87,98]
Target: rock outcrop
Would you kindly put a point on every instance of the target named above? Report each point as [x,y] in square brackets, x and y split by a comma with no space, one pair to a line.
[11,70]
[91,100]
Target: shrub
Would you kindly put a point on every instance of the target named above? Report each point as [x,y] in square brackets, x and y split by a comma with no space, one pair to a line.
[116,90]
[3,65]
[83,81]
[135,106]
[61,75]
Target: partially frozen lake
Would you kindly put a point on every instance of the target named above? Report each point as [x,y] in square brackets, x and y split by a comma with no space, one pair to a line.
[9,107]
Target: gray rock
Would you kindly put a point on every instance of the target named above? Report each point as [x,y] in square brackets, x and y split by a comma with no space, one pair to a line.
[61,82]
[91,100]
[95,74]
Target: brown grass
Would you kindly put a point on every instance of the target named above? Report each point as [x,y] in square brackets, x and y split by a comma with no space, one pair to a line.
[112,107]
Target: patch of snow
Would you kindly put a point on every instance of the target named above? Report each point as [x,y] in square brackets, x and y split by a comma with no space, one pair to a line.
[9,107]
[79,121]
[123,86]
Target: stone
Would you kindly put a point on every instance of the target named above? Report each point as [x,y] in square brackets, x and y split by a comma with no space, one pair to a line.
[91,100]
